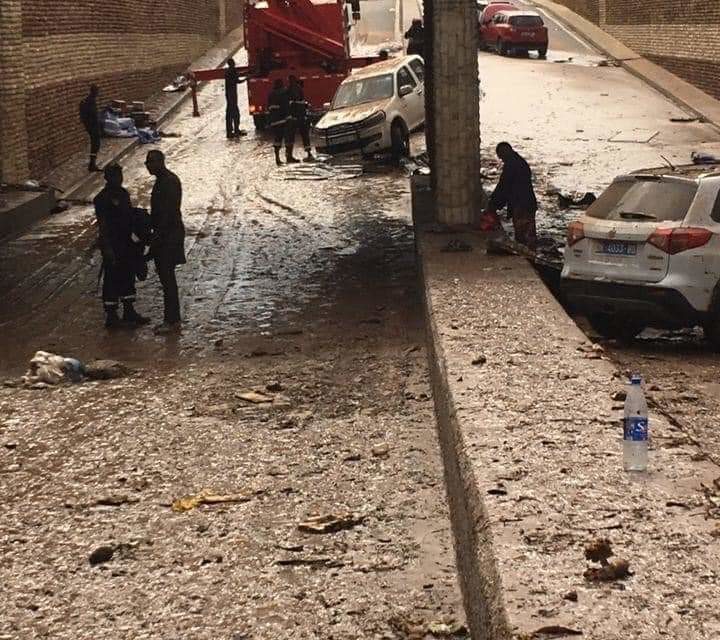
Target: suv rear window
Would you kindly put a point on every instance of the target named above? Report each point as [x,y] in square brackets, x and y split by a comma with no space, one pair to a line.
[526,21]
[644,201]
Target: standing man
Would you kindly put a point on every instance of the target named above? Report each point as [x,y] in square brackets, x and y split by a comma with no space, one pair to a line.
[415,36]
[515,190]
[298,118]
[279,112]
[114,215]
[232,111]
[167,246]
[91,121]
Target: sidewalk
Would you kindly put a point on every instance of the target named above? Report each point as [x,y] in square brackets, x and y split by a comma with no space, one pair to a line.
[532,447]
[72,175]
[670,85]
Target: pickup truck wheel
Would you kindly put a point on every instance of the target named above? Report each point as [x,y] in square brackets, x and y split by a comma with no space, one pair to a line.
[615,328]
[501,47]
[260,122]
[542,53]
[400,141]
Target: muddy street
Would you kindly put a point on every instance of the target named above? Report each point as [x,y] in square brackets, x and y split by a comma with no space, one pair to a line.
[296,398]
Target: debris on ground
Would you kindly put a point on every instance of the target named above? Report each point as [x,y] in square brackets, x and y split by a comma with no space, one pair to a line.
[321,170]
[600,551]
[575,200]
[479,360]
[420,629]
[100,555]
[684,119]
[698,157]
[188,503]
[106,370]
[457,246]
[255,397]
[555,631]
[330,523]
[381,450]
[49,369]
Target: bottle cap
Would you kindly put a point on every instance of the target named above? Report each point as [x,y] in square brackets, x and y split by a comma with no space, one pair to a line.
[636,379]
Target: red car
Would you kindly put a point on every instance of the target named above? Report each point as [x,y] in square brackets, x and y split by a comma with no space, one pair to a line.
[515,31]
[487,15]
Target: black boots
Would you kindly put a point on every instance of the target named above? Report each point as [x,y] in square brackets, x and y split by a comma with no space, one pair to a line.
[278,162]
[289,156]
[131,316]
[112,320]
[309,157]
[92,165]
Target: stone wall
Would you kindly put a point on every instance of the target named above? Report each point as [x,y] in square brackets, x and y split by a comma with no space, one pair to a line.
[681,35]
[52,50]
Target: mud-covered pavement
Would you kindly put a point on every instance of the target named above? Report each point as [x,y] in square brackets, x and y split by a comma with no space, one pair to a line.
[304,290]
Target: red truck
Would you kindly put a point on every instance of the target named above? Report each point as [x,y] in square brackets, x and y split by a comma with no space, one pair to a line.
[304,38]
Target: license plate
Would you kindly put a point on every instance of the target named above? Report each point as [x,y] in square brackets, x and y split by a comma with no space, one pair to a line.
[616,248]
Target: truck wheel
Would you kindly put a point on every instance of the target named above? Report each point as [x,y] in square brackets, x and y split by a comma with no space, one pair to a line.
[542,53]
[615,328]
[400,141]
[501,48]
[260,122]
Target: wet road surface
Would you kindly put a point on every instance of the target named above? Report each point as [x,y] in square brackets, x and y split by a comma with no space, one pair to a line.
[561,114]
[304,290]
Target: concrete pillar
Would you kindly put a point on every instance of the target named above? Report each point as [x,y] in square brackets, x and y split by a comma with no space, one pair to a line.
[455,110]
[13,135]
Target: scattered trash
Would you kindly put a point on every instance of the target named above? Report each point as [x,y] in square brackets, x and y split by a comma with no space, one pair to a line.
[684,119]
[101,554]
[330,523]
[480,360]
[310,562]
[381,450]
[419,629]
[572,596]
[322,171]
[181,83]
[609,63]
[106,370]
[636,135]
[60,206]
[457,246]
[207,497]
[255,397]
[555,631]
[49,369]
[574,201]
[274,387]
[698,157]
[600,551]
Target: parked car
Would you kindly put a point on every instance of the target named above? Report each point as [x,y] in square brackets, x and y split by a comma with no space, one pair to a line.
[516,31]
[487,15]
[375,109]
[647,254]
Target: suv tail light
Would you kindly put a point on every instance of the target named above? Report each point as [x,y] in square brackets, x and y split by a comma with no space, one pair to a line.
[575,233]
[674,241]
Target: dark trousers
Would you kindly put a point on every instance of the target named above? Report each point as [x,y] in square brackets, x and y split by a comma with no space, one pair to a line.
[298,125]
[118,283]
[524,225]
[279,133]
[94,135]
[171,298]
[232,119]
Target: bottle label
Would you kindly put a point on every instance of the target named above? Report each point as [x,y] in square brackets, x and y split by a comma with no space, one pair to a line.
[636,429]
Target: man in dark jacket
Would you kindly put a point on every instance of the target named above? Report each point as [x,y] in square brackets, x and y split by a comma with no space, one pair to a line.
[119,250]
[298,119]
[232,111]
[279,112]
[91,121]
[168,242]
[415,36]
[515,190]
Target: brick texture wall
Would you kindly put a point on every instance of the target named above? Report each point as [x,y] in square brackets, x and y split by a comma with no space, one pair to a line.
[130,48]
[681,35]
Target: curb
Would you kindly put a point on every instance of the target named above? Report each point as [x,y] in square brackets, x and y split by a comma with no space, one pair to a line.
[134,143]
[701,104]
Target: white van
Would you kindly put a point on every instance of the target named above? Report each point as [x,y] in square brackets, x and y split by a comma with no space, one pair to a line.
[375,109]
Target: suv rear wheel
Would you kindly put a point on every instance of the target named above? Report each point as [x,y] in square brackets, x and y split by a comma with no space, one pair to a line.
[542,53]
[615,328]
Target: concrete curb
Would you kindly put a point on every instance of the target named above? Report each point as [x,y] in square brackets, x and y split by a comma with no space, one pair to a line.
[182,98]
[689,96]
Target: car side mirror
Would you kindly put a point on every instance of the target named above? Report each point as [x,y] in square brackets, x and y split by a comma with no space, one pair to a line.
[405,90]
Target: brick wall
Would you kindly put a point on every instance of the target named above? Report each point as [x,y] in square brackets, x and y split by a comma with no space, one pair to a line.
[52,50]
[681,35]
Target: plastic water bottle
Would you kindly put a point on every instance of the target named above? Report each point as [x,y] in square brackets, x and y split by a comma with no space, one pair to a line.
[636,428]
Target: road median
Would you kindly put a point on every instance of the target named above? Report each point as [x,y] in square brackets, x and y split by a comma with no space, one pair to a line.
[531,441]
